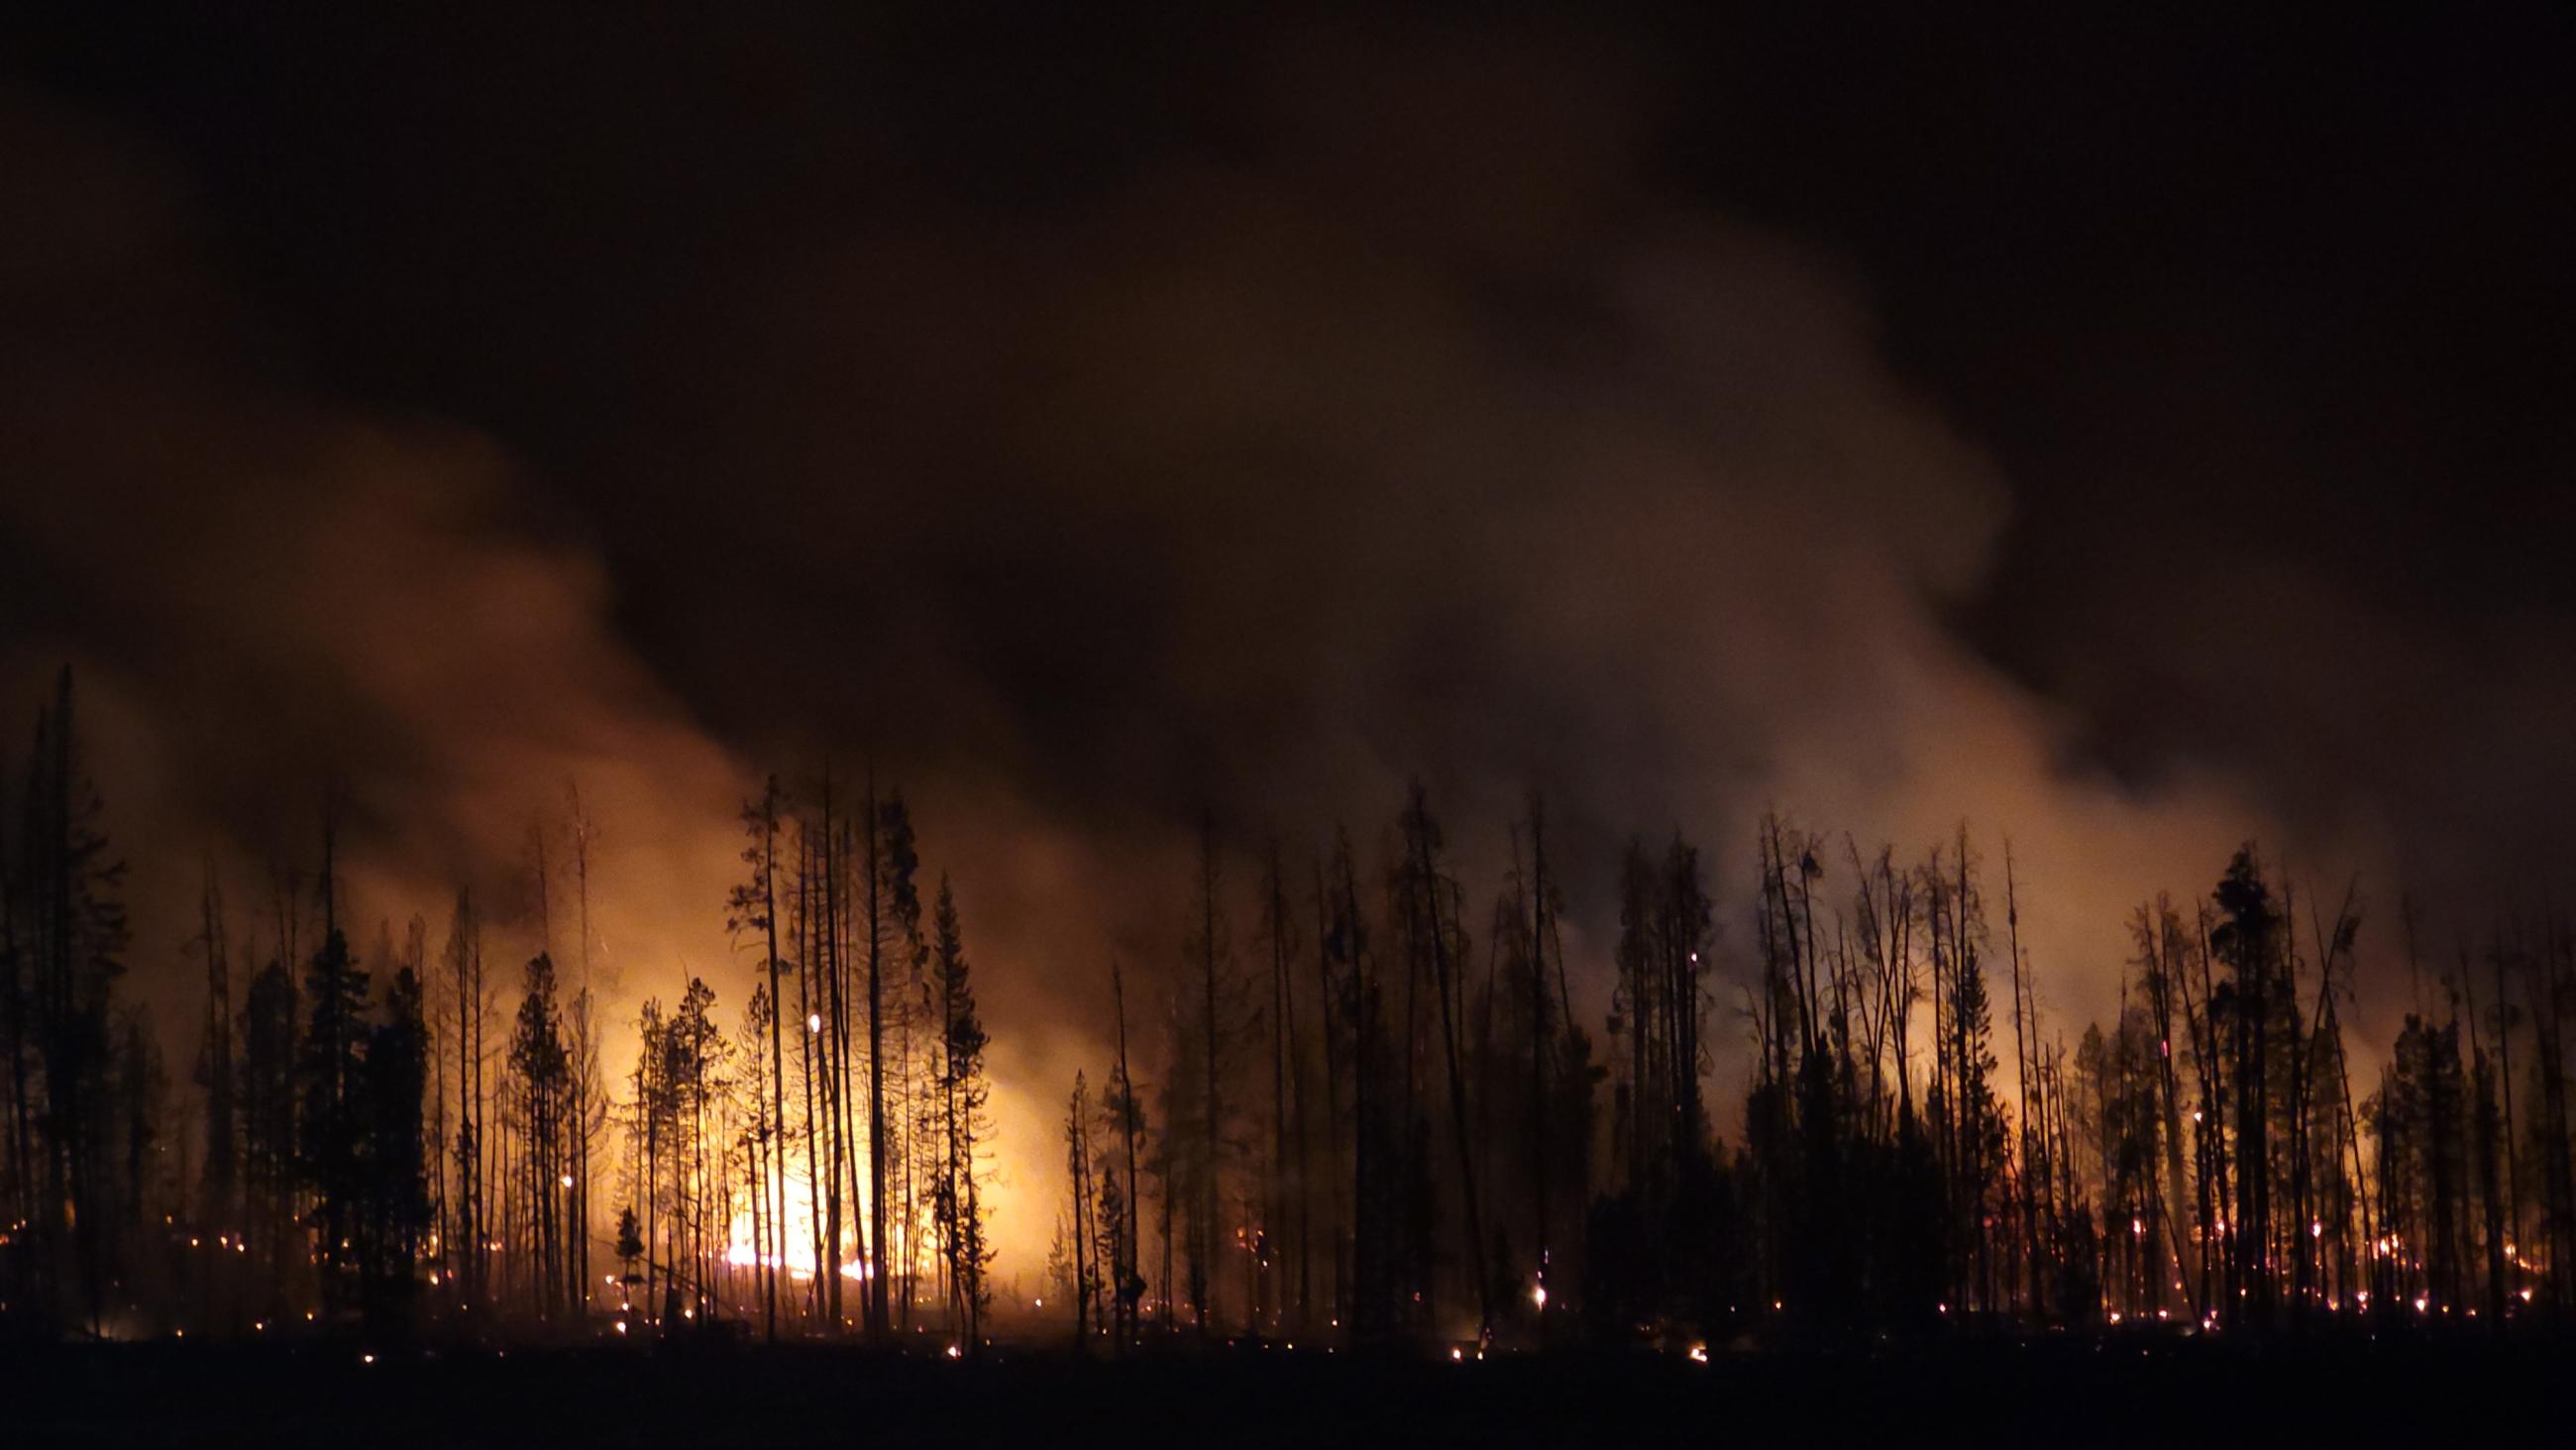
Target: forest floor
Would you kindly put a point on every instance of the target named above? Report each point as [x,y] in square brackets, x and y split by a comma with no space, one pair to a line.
[2052,1392]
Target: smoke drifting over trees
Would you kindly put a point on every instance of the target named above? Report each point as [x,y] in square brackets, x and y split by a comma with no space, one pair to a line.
[1412,404]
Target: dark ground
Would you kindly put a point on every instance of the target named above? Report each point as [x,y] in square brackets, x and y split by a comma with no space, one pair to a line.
[2053,1392]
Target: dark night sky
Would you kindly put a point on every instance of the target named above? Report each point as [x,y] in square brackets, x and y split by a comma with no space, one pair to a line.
[2135,431]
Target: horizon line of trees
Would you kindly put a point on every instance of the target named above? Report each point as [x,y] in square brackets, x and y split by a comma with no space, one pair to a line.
[415,1142]
[1372,1128]
[1366,1123]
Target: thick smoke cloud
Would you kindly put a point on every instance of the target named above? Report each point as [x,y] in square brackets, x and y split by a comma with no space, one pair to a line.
[1421,434]
[267,598]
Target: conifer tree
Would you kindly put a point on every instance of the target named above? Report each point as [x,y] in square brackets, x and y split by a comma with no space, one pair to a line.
[965,1095]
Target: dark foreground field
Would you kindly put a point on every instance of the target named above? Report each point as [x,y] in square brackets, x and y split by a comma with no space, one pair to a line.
[2052,1393]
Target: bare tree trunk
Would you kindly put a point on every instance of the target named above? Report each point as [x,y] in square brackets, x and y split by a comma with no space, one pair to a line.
[1205,1229]
[777,1049]
[1541,1047]
[2021,1088]
[2504,1054]
[808,1029]
[1427,870]
[1127,1135]
[880,1327]
[1275,1210]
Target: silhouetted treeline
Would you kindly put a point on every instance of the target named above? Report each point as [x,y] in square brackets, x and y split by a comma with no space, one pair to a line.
[1368,1105]
[1419,1138]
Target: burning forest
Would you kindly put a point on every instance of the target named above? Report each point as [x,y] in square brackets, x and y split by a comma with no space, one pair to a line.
[718,725]
[1353,1121]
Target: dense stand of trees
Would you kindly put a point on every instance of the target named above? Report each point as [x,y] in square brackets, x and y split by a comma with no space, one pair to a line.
[1404,1134]
[1368,1107]
[422,1142]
